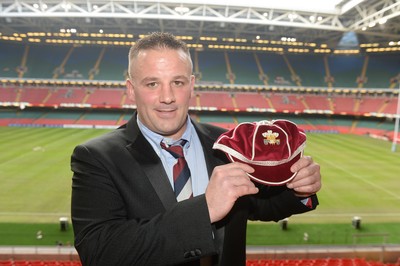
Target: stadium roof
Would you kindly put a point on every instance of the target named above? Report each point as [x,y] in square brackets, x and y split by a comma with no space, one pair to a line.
[319,21]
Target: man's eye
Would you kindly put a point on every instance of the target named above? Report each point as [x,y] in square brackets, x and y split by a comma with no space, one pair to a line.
[152,84]
[178,83]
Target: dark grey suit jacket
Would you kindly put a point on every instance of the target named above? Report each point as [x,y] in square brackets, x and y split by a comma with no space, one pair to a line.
[124,210]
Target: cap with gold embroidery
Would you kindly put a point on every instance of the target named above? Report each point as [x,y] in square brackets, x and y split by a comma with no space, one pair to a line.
[270,147]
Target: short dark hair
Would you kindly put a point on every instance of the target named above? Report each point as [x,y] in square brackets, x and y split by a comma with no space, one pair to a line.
[157,40]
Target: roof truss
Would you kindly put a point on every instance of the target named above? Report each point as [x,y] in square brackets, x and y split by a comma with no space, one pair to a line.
[363,17]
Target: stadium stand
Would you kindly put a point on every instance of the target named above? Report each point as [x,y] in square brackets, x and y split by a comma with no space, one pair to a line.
[60,96]
[285,103]
[340,113]
[212,67]
[313,90]
[10,59]
[318,262]
[105,98]
[275,68]
[312,73]
[345,69]
[44,61]
[226,121]
[96,106]
[35,96]
[114,64]
[244,67]
[8,94]
[81,62]
[381,69]
[208,100]
[216,100]
[390,106]
[100,118]
[110,63]
[317,102]
[39,263]
[260,262]
[58,117]
[251,101]
[343,104]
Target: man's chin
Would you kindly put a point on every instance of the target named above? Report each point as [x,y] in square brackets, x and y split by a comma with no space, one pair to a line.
[170,129]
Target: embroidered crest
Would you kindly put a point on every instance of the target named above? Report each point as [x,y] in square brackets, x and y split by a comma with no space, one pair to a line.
[271,138]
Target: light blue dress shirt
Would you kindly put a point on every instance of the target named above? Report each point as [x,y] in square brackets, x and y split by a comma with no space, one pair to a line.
[193,152]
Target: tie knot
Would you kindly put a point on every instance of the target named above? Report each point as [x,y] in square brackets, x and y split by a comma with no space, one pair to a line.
[175,150]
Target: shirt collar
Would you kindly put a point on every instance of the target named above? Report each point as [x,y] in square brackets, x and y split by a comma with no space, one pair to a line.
[156,139]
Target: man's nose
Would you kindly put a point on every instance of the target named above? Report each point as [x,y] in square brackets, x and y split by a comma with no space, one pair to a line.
[167,94]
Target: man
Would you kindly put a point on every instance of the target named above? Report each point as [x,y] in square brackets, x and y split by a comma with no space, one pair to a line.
[124,209]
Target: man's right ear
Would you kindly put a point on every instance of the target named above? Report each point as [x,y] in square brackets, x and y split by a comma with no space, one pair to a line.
[129,90]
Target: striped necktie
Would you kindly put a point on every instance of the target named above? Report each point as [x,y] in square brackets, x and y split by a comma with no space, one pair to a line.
[181,172]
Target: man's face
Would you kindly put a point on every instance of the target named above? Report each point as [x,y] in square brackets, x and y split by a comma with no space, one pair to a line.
[162,85]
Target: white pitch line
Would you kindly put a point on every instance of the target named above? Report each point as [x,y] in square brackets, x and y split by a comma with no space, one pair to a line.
[396,196]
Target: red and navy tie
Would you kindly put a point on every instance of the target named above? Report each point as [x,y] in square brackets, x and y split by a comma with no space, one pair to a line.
[181,172]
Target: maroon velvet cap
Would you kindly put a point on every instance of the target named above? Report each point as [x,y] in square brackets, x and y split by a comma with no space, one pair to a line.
[270,147]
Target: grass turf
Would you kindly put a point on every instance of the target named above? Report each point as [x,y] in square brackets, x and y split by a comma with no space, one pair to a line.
[360,177]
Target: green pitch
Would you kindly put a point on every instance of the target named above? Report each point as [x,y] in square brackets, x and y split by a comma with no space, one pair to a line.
[35,173]
[360,176]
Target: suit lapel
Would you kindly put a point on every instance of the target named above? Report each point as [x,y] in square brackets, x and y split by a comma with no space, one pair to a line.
[212,161]
[151,164]
[207,143]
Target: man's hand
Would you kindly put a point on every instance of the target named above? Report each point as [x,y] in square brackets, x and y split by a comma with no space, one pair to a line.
[308,179]
[228,183]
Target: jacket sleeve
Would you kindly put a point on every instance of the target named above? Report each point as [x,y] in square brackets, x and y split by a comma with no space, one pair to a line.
[274,203]
[107,232]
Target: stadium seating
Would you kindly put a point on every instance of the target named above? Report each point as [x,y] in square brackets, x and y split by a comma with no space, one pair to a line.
[276,69]
[100,118]
[64,96]
[8,94]
[206,100]
[318,262]
[105,98]
[216,100]
[81,62]
[212,67]
[317,102]
[105,63]
[35,96]
[381,69]
[244,66]
[286,103]
[108,107]
[312,72]
[390,106]
[371,105]
[46,61]
[345,69]
[114,64]
[343,104]
[39,263]
[10,59]
[251,262]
